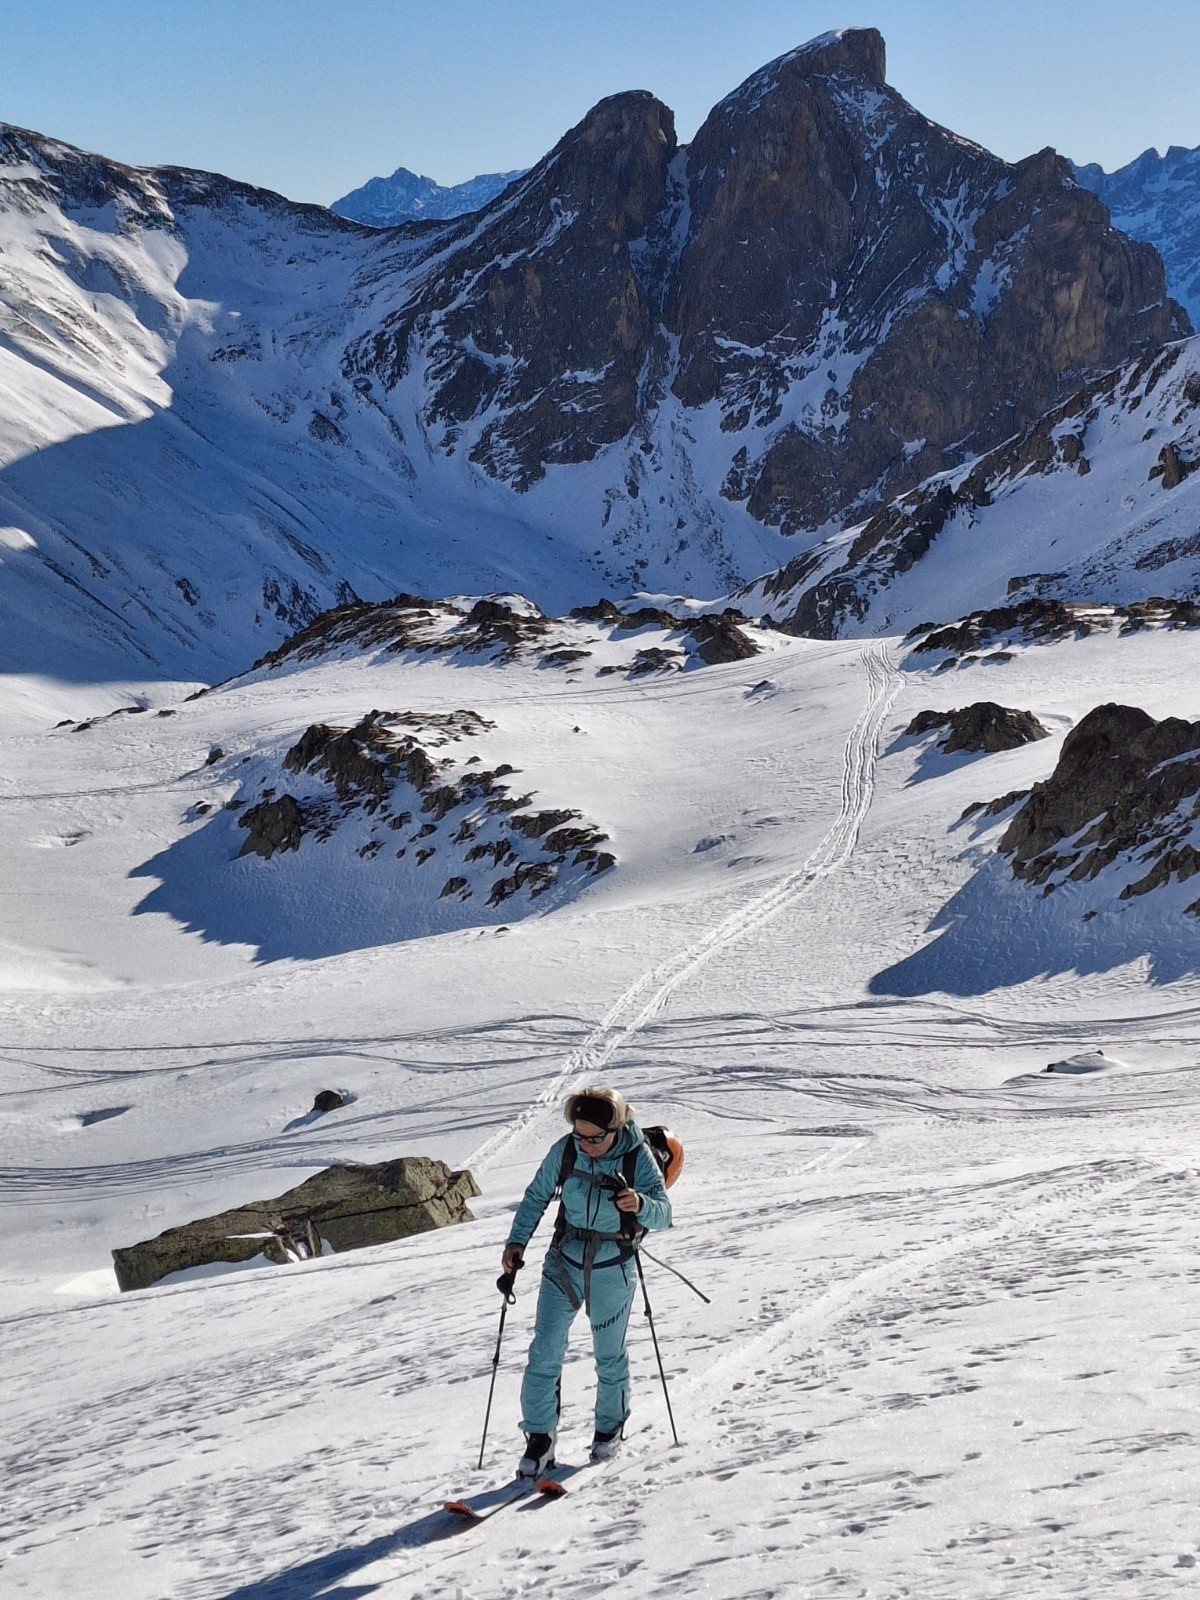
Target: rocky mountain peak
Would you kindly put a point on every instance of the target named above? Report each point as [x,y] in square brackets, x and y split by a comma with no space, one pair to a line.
[532,333]
[848,52]
[856,53]
[612,166]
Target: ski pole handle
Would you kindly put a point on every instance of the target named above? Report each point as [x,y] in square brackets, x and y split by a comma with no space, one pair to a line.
[506,1281]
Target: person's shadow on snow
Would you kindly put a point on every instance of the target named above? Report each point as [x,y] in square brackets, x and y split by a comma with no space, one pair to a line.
[313,1577]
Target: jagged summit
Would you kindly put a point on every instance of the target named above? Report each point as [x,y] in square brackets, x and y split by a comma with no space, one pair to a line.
[845,52]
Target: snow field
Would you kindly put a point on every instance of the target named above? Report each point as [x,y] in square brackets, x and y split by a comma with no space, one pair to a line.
[950,1348]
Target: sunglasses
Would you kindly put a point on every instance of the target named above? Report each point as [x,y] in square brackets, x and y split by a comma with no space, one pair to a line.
[592,1138]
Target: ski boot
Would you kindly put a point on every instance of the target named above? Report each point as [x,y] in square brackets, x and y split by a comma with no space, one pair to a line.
[538,1457]
[605,1444]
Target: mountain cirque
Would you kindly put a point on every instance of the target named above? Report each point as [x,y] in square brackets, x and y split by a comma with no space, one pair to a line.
[639,368]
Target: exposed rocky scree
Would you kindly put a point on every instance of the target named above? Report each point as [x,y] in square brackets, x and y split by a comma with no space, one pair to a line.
[862,296]
[1126,790]
[386,772]
[341,1208]
[511,628]
[826,590]
[983,728]
[991,635]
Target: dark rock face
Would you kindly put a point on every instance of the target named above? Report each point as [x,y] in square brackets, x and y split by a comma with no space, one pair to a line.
[328,1100]
[539,312]
[345,1207]
[982,728]
[274,825]
[864,297]
[719,639]
[1124,785]
[1171,466]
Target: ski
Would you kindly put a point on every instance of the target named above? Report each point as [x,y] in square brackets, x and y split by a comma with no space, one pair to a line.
[544,1488]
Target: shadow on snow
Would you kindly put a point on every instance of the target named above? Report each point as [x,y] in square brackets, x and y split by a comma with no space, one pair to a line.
[997,932]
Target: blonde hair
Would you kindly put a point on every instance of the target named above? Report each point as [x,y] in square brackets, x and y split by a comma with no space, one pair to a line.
[622,1110]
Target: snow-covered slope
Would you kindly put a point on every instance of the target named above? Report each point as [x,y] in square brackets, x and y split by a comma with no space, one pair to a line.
[1098,503]
[186,471]
[409,197]
[1157,198]
[932,1265]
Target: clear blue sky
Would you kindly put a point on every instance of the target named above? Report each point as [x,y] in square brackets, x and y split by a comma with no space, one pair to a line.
[312,97]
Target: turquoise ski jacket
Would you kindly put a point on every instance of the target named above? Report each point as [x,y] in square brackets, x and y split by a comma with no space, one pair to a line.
[586,1204]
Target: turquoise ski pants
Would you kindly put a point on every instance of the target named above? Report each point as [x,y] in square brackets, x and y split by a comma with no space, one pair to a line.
[612,1288]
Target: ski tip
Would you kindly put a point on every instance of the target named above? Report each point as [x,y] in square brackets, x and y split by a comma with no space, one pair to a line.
[550,1487]
[460,1509]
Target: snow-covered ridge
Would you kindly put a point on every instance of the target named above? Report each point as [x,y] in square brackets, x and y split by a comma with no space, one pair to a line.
[1095,505]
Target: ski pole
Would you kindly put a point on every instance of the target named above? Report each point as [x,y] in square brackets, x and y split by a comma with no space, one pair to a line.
[679,1275]
[505,1285]
[657,1356]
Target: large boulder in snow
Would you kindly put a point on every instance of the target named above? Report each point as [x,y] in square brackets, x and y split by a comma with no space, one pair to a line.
[982,728]
[342,1208]
[1136,781]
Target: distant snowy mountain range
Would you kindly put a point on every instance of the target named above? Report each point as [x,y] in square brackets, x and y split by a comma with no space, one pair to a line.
[408,197]
[1157,198]
[639,368]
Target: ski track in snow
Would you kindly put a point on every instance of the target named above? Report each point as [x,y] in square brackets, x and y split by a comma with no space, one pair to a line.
[645,998]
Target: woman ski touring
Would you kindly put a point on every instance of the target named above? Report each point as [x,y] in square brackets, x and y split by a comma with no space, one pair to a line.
[611,1189]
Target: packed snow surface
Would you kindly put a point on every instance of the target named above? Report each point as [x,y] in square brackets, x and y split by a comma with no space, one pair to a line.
[951,1345]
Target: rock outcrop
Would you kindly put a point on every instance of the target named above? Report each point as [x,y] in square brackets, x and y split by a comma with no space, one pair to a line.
[388,782]
[510,629]
[992,634]
[342,1208]
[1125,787]
[983,728]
